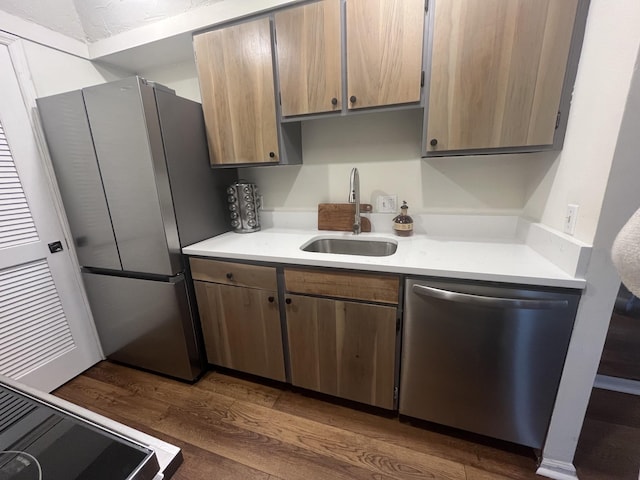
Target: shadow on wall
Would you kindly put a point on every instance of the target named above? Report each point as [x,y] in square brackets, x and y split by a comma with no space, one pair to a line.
[485,184]
[182,77]
[386,149]
[111,73]
[381,145]
[541,175]
[369,138]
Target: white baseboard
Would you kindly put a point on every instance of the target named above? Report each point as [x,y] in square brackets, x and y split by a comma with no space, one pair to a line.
[617,384]
[557,470]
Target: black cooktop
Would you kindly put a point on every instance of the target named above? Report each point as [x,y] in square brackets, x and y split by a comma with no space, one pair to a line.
[42,442]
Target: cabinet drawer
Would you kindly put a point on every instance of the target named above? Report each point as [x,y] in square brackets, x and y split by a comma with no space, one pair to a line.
[231,273]
[357,286]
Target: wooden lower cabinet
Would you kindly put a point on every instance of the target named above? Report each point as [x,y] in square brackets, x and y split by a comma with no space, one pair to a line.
[342,348]
[241,328]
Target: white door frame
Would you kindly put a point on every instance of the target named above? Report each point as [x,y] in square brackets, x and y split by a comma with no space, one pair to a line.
[23,74]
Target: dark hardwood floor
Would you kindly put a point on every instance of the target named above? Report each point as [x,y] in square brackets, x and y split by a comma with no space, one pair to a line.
[231,428]
[609,445]
[621,354]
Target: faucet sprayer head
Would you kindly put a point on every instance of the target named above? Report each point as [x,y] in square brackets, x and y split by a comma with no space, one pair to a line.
[354,181]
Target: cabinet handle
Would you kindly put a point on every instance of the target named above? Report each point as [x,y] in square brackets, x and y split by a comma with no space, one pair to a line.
[272,154]
[334,101]
[271,299]
[352,99]
[288,301]
[484,301]
[229,275]
[433,142]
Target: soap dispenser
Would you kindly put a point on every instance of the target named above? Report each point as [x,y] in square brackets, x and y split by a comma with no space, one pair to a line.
[403,223]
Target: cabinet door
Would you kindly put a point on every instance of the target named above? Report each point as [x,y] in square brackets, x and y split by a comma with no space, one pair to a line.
[235,71]
[309,62]
[241,328]
[384,51]
[345,349]
[497,72]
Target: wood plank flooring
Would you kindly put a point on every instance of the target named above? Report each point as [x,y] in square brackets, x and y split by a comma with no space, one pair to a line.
[609,445]
[230,428]
[621,354]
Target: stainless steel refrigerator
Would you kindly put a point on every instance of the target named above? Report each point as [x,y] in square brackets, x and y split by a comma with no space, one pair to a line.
[132,164]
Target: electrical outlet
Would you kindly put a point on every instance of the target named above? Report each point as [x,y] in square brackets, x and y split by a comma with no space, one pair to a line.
[570,219]
[387,203]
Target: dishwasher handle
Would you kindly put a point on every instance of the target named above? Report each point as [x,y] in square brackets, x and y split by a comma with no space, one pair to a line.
[483,301]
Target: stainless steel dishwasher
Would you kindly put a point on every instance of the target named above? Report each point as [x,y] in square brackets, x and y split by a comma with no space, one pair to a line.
[485,358]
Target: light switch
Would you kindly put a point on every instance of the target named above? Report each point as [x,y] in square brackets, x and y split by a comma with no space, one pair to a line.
[570,219]
[387,203]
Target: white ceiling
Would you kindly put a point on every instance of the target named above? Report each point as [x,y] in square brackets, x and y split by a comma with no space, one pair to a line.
[58,15]
[104,18]
[92,20]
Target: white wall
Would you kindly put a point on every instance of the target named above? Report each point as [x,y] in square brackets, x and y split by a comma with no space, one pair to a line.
[34,32]
[54,72]
[598,169]
[606,65]
[621,199]
[386,149]
[537,185]
[182,77]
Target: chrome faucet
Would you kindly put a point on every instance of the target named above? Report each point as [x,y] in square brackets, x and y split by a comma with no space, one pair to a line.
[354,197]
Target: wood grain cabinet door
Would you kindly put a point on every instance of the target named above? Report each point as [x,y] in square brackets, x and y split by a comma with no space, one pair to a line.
[384,51]
[235,72]
[497,72]
[241,328]
[309,61]
[346,349]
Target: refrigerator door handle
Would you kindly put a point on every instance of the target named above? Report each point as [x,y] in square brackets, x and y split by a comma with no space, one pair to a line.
[483,301]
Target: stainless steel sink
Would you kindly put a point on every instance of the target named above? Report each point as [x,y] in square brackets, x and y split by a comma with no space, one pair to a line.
[348,246]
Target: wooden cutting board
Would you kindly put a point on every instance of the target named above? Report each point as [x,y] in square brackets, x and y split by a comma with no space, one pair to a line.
[339,216]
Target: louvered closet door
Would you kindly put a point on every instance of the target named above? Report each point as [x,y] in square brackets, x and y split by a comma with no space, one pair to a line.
[46,336]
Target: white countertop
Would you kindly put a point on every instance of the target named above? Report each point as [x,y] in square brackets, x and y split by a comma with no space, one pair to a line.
[500,260]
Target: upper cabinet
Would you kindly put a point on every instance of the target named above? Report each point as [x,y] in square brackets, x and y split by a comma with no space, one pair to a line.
[309,58]
[497,73]
[236,84]
[382,55]
[235,71]
[384,51]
